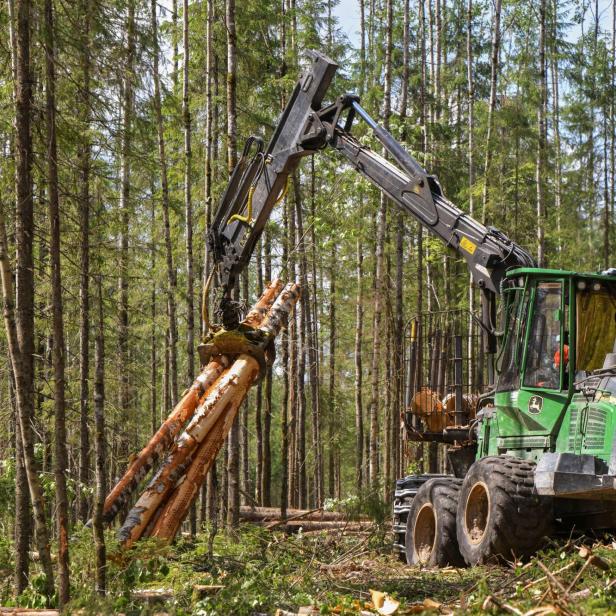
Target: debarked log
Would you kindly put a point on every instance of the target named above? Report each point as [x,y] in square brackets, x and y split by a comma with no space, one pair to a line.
[212,419]
[185,493]
[172,426]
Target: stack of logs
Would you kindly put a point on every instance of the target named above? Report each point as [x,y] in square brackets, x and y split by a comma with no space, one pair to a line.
[206,412]
[306,520]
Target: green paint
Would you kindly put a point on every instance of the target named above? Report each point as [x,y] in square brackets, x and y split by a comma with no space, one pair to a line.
[537,406]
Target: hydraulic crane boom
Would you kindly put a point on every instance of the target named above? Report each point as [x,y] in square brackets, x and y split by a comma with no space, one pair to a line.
[305,126]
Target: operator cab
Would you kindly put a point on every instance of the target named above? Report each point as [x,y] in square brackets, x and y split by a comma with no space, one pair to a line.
[559,327]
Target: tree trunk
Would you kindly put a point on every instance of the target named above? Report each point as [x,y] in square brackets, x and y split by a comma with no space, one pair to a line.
[19,319]
[284,403]
[332,444]
[188,213]
[60,452]
[84,269]
[100,448]
[266,473]
[313,355]
[470,93]
[359,333]
[292,456]
[125,185]
[379,277]
[494,68]
[233,510]
[541,143]
[303,346]
[162,159]
[23,518]
[153,332]
[188,208]
[554,57]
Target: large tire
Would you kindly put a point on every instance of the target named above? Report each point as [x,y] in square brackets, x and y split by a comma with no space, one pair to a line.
[500,515]
[431,525]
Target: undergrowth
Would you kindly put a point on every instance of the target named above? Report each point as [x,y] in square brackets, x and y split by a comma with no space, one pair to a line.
[259,571]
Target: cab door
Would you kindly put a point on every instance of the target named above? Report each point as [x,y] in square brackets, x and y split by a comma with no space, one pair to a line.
[527,416]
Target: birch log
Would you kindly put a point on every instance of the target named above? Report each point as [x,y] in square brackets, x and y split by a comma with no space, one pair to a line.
[221,401]
[183,411]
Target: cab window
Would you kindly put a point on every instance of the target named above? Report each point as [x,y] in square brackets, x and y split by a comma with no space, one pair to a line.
[544,354]
[511,358]
[596,324]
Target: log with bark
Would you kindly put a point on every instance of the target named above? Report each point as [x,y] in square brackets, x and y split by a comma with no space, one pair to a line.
[267,515]
[184,410]
[163,505]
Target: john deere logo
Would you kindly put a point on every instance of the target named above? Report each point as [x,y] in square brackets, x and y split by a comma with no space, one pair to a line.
[535,404]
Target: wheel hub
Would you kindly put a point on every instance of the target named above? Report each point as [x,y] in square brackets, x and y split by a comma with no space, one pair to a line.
[424,533]
[477,512]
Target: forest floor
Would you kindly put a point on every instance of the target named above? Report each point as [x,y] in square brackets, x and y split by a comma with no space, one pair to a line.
[259,571]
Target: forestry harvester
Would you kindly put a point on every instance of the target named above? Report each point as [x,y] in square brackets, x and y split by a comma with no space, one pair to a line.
[533,452]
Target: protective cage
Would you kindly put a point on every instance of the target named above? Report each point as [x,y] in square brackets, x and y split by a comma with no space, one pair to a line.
[446,372]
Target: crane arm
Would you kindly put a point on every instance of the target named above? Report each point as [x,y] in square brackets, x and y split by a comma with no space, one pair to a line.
[259,181]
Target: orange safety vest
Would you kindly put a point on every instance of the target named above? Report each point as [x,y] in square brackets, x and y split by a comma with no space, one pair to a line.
[557,356]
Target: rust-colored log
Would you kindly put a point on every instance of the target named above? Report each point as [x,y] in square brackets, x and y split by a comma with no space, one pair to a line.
[214,431]
[258,312]
[183,411]
[229,388]
[174,510]
[163,438]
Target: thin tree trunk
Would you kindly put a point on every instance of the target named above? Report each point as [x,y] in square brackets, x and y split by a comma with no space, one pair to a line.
[209,139]
[153,333]
[313,357]
[359,333]
[541,145]
[332,444]
[233,510]
[292,402]
[174,42]
[60,452]
[162,160]
[266,473]
[125,185]
[100,448]
[494,68]
[188,212]
[284,403]
[613,115]
[245,442]
[399,334]
[84,269]
[379,278]
[23,518]
[556,129]
[188,208]
[304,332]
[470,93]
[359,304]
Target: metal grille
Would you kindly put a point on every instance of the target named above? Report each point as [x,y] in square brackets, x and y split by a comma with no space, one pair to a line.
[595,429]
[573,429]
